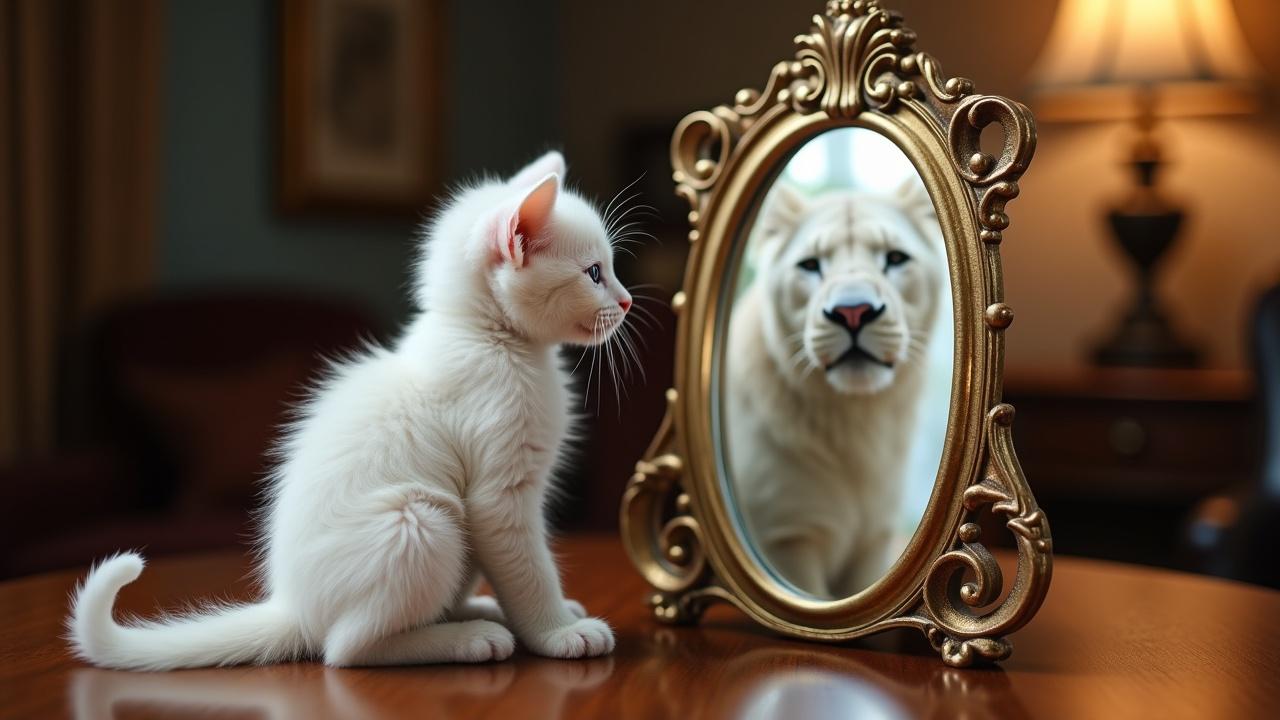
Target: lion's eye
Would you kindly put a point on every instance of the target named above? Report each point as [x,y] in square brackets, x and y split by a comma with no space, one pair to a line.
[895,258]
[594,273]
[810,265]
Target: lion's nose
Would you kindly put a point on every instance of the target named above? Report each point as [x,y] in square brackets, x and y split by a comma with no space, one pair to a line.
[854,316]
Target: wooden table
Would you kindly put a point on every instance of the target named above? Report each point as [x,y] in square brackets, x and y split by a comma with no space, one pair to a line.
[1112,641]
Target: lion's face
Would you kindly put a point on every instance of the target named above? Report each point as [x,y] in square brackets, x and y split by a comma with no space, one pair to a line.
[852,280]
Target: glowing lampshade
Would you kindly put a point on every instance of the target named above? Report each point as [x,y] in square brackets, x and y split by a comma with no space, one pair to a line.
[1104,58]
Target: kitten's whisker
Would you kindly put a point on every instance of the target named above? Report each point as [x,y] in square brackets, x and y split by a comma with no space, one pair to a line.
[580,358]
[648,323]
[627,230]
[628,342]
[629,238]
[630,363]
[586,395]
[610,209]
[624,372]
[600,369]
[633,233]
[616,245]
[639,306]
[614,369]
[623,224]
[621,244]
[644,321]
[636,213]
[613,372]
[639,337]
[638,231]
[613,221]
[663,302]
[607,212]
[645,311]
[640,207]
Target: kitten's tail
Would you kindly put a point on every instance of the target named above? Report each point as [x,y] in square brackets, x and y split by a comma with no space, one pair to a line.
[221,635]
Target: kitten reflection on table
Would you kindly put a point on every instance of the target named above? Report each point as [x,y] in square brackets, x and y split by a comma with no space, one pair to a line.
[825,373]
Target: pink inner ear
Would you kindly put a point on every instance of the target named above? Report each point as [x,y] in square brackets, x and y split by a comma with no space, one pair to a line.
[536,209]
[512,248]
[521,233]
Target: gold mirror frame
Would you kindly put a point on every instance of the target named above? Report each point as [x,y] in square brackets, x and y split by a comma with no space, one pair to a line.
[857,67]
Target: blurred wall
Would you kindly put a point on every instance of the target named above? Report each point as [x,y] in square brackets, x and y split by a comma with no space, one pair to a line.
[627,61]
[581,74]
[218,222]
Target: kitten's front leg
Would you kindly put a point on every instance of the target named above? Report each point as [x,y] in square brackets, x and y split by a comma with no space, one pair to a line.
[486,607]
[510,541]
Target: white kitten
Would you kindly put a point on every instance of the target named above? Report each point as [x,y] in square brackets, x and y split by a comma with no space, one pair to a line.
[414,469]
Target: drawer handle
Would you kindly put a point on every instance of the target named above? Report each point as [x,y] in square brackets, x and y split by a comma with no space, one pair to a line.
[1127,437]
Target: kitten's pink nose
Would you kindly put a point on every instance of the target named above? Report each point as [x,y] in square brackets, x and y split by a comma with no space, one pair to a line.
[625,305]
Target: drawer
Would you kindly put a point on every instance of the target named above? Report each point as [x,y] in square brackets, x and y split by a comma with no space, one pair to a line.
[1125,449]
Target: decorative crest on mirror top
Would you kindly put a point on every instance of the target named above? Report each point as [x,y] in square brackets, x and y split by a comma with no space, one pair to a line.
[858,58]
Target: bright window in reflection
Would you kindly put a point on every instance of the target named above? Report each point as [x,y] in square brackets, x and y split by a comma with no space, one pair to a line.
[849,158]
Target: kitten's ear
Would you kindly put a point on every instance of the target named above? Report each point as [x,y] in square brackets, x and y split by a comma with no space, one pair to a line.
[550,164]
[519,232]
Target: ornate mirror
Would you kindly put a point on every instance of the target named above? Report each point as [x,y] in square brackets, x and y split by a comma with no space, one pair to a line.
[835,447]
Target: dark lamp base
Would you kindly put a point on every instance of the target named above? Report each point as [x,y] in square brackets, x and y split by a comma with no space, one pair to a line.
[1146,342]
[1145,230]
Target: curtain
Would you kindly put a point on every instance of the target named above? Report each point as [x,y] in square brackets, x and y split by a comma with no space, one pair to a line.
[79,82]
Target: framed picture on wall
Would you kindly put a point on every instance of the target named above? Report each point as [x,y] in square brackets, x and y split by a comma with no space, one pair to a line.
[360,104]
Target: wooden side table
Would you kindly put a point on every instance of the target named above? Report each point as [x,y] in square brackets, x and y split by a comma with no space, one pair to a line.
[1118,457]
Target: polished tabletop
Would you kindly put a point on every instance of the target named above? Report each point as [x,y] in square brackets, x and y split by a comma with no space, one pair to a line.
[1111,641]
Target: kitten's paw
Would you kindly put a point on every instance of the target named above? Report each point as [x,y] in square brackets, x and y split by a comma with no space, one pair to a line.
[587,637]
[483,641]
[575,608]
[478,607]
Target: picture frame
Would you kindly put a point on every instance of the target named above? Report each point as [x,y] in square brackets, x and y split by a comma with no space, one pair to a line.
[360,112]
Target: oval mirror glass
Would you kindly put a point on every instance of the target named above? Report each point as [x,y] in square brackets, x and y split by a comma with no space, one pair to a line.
[836,365]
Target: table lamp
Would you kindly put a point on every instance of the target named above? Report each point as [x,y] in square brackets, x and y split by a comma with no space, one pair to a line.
[1141,61]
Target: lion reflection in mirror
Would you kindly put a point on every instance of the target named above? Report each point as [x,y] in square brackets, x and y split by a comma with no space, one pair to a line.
[825,368]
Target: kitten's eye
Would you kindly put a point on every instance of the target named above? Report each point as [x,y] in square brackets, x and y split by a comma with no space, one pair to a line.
[810,265]
[594,273]
[895,258]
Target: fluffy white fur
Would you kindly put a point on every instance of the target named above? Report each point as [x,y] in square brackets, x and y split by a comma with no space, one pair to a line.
[414,469]
[818,419]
